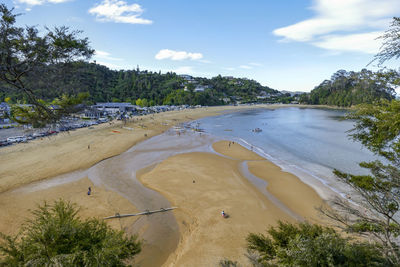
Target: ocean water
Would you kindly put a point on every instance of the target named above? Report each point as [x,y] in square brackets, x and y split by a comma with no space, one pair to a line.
[300,140]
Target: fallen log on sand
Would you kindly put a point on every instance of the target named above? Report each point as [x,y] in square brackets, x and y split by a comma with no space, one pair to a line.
[147,212]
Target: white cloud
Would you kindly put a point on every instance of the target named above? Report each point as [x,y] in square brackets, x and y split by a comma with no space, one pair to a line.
[245,67]
[362,42]
[229,68]
[343,22]
[255,64]
[39,2]
[118,11]
[105,55]
[177,55]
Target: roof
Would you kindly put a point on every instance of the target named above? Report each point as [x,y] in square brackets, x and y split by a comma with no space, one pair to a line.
[114,105]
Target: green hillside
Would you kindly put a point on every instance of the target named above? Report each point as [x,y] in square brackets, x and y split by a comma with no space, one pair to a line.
[350,88]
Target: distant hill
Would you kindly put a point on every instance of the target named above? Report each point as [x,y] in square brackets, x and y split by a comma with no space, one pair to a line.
[351,88]
[153,88]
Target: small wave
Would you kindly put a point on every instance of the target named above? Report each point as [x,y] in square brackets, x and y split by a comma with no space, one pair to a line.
[291,168]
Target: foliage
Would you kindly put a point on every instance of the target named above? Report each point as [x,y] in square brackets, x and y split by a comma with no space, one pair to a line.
[104,85]
[228,263]
[37,116]
[377,127]
[24,51]
[391,45]
[346,89]
[57,237]
[310,245]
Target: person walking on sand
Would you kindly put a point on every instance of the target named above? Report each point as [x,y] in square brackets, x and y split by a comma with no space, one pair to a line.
[89,192]
[223,214]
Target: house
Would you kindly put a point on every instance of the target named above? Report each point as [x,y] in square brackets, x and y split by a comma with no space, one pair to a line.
[94,113]
[114,108]
[4,108]
[186,77]
[199,88]
[4,111]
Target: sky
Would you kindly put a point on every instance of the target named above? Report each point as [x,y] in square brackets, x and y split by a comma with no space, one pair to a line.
[287,45]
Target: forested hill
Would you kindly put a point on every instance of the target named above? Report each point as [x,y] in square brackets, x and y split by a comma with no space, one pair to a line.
[350,88]
[152,88]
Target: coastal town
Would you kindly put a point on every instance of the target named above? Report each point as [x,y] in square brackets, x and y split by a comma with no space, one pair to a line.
[199,133]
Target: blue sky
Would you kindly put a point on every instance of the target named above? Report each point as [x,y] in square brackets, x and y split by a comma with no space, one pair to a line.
[287,44]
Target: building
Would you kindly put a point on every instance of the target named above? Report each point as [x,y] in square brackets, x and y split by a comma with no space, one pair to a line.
[186,77]
[94,113]
[201,88]
[114,108]
[4,108]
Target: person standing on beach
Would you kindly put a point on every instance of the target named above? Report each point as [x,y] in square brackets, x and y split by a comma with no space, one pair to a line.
[89,191]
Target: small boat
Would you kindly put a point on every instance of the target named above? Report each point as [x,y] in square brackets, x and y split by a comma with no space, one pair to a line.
[257,130]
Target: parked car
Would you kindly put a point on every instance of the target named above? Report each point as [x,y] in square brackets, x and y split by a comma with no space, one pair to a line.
[4,143]
[17,139]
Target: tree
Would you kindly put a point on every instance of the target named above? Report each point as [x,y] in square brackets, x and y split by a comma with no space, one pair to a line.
[25,50]
[310,245]
[391,44]
[377,127]
[56,236]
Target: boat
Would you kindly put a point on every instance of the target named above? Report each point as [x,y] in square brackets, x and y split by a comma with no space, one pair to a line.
[257,130]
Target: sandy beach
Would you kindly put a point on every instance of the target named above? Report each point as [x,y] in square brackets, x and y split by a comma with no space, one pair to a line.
[133,168]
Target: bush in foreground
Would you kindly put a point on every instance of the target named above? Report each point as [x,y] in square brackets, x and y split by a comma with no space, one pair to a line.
[310,245]
[56,236]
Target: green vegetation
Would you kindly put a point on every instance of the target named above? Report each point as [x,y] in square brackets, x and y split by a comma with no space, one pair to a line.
[346,89]
[377,127]
[149,88]
[391,43]
[57,237]
[310,245]
[24,52]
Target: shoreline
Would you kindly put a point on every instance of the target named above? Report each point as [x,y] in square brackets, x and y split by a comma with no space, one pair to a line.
[52,156]
[115,174]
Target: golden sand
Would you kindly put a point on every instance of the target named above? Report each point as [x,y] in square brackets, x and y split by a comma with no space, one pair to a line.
[51,156]
[16,206]
[200,184]
[204,184]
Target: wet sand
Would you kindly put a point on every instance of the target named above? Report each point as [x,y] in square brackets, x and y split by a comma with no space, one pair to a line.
[286,187]
[203,184]
[184,170]
[66,152]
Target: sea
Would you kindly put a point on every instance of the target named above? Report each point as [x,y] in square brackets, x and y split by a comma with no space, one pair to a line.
[308,142]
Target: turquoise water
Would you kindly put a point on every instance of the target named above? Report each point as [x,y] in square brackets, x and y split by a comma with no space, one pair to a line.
[314,140]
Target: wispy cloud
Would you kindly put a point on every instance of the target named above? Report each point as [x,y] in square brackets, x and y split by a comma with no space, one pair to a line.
[246,67]
[105,55]
[339,24]
[177,55]
[118,11]
[365,42]
[39,2]
[255,64]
